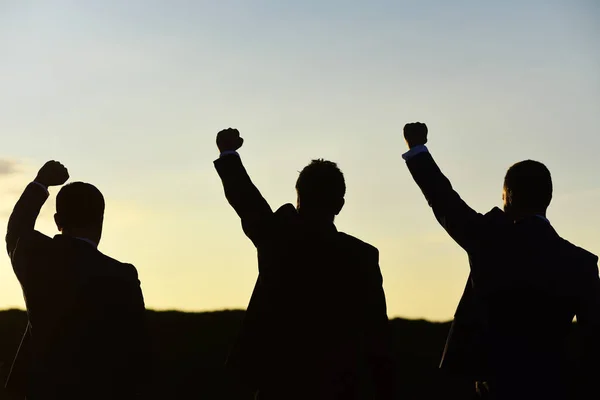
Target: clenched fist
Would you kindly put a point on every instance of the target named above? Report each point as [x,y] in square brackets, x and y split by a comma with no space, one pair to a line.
[229,140]
[52,173]
[415,134]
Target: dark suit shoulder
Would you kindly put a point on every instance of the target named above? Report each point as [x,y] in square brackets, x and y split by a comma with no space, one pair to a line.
[356,243]
[286,210]
[117,269]
[26,255]
[29,246]
[365,259]
[581,257]
[496,216]
[286,216]
[495,213]
[33,239]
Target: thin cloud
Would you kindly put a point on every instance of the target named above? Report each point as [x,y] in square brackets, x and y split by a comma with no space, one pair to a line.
[8,167]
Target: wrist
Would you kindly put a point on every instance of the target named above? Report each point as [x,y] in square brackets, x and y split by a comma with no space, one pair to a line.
[41,182]
[41,185]
[414,151]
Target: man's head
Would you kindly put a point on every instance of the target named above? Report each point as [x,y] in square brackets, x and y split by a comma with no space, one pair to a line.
[527,189]
[80,211]
[321,189]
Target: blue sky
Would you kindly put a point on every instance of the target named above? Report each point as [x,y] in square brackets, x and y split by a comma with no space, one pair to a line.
[129,95]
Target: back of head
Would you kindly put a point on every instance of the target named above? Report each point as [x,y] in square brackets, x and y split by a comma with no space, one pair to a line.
[321,189]
[527,189]
[79,206]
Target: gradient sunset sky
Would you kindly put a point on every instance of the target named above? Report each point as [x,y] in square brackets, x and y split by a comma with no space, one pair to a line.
[130,94]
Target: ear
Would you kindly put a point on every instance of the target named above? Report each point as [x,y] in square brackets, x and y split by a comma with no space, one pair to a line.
[340,205]
[57,221]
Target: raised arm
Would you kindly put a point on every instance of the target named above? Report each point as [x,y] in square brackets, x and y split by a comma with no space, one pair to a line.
[22,220]
[458,219]
[244,197]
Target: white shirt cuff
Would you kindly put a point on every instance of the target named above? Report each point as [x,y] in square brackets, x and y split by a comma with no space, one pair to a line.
[42,186]
[421,148]
[227,152]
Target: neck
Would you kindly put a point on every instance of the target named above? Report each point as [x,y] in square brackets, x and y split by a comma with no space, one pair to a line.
[83,234]
[519,216]
[318,219]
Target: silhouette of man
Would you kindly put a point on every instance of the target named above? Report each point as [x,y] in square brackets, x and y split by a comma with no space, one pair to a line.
[525,287]
[86,337]
[316,326]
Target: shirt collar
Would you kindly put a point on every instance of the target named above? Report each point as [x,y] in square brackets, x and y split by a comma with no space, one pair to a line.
[88,241]
[542,217]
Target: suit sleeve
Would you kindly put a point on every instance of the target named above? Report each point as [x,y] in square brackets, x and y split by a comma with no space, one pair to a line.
[116,325]
[137,350]
[588,320]
[461,222]
[21,223]
[245,198]
[141,352]
[16,382]
[379,336]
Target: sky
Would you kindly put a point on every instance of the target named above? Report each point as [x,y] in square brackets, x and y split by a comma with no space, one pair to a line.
[130,95]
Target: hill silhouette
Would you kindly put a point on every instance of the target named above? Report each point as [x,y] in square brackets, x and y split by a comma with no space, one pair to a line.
[190,350]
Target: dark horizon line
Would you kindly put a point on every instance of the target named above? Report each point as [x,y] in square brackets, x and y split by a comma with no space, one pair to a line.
[233,310]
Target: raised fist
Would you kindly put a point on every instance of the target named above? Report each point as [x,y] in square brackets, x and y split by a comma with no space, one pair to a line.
[52,173]
[229,140]
[415,134]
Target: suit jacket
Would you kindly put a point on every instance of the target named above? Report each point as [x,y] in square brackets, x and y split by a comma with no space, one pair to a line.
[86,310]
[525,287]
[317,316]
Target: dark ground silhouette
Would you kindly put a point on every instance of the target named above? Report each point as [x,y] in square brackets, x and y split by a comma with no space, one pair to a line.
[190,351]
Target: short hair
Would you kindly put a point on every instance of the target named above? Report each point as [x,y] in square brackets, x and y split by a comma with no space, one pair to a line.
[80,205]
[321,185]
[528,186]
